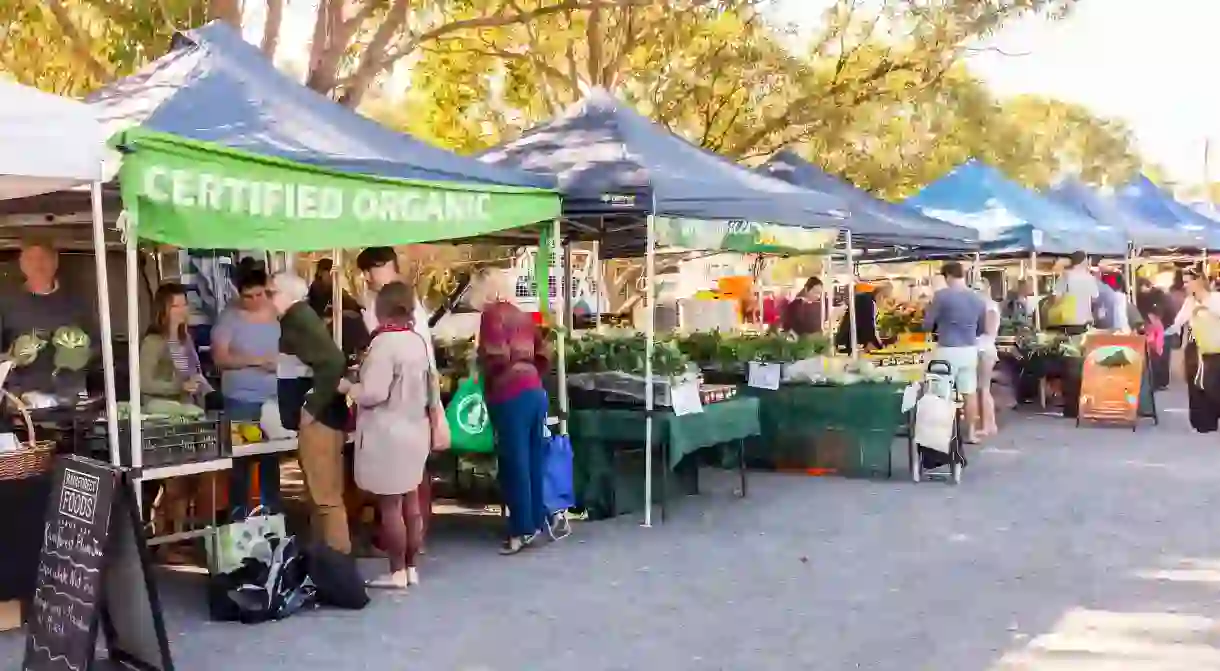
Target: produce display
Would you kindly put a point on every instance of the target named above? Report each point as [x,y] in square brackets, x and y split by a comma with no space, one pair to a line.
[736,350]
[71,345]
[162,409]
[900,318]
[624,353]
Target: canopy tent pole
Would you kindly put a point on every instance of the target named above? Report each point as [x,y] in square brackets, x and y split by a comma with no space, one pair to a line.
[828,290]
[133,349]
[564,324]
[336,297]
[101,263]
[596,267]
[851,298]
[1033,262]
[1129,270]
[650,262]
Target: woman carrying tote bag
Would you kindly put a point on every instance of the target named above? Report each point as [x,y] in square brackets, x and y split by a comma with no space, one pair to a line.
[399,421]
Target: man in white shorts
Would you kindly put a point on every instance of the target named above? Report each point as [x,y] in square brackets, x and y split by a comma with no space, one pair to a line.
[956,316]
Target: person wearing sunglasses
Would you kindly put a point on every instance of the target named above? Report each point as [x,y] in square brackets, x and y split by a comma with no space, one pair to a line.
[245,346]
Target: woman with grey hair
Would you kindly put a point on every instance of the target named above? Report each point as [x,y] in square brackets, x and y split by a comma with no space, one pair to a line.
[311,388]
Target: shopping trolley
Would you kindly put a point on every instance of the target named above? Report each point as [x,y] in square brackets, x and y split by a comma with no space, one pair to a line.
[938,379]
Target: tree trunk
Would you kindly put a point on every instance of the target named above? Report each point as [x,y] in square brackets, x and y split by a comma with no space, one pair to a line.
[228,11]
[271,28]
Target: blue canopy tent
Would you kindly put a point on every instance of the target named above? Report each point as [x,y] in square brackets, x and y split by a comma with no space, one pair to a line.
[616,166]
[215,86]
[1012,219]
[1108,212]
[1151,204]
[618,170]
[910,227]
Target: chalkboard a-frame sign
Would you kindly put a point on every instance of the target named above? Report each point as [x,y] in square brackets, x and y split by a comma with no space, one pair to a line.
[94,569]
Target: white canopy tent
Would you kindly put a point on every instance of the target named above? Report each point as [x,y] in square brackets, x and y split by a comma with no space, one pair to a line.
[49,143]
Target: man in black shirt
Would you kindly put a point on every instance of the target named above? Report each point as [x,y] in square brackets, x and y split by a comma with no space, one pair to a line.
[33,314]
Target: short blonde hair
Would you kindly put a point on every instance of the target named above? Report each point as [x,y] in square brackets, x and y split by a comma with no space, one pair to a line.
[489,286]
[290,286]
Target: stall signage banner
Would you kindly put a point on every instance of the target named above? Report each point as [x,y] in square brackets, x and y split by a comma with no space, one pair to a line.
[739,235]
[1111,379]
[201,195]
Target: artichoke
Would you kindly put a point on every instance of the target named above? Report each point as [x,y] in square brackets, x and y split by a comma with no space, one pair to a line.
[70,337]
[25,349]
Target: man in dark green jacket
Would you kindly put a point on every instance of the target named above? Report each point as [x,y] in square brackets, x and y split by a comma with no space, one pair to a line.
[311,397]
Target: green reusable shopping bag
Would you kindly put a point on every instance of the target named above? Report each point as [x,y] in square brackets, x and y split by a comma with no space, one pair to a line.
[469,425]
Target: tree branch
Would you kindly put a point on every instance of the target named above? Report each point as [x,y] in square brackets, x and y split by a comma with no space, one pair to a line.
[374,53]
[77,42]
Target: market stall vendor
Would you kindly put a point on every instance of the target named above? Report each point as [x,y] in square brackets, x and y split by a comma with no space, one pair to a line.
[48,330]
[803,316]
[867,298]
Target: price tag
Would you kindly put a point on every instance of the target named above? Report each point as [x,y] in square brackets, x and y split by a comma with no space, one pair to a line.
[764,375]
[685,400]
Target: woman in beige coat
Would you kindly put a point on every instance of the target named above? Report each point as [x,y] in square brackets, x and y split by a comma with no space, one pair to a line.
[393,434]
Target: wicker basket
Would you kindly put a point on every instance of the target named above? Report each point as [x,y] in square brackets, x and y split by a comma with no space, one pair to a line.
[35,458]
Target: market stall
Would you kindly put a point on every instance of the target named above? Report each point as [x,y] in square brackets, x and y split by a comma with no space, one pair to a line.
[46,144]
[623,176]
[200,91]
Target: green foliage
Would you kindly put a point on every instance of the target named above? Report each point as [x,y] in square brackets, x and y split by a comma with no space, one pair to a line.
[594,353]
[731,350]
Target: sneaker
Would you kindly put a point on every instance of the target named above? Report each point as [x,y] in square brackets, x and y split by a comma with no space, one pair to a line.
[412,576]
[516,544]
[397,581]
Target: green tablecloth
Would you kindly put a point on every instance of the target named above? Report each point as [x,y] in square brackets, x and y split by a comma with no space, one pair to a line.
[597,433]
[848,429]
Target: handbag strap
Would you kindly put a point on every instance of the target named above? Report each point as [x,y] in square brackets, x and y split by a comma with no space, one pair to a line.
[434,390]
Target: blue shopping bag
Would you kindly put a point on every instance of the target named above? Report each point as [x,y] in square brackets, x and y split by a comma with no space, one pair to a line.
[558,490]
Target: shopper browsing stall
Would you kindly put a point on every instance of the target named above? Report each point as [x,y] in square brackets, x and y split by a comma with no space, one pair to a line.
[397,397]
[1076,295]
[245,345]
[512,360]
[988,358]
[957,316]
[379,266]
[32,318]
[1200,316]
[311,368]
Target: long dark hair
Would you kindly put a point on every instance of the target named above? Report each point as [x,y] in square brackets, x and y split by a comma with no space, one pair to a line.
[160,314]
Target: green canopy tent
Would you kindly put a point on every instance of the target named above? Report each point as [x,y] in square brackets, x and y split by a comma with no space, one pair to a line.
[189,193]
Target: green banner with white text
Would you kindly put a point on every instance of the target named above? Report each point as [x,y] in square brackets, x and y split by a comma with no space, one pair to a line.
[747,237]
[204,196]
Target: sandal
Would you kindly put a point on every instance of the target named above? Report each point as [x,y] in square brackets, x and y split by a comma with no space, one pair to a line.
[516,544]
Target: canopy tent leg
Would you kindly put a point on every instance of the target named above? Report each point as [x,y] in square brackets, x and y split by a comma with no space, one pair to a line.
[596,267]
[101,263]
[564,324]
[1129,270]
[1033,263]
[133,349]
[851,298]
[827,292]
[650,263]
[336,297]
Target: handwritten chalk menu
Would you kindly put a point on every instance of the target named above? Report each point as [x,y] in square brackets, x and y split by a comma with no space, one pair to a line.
[93,570]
